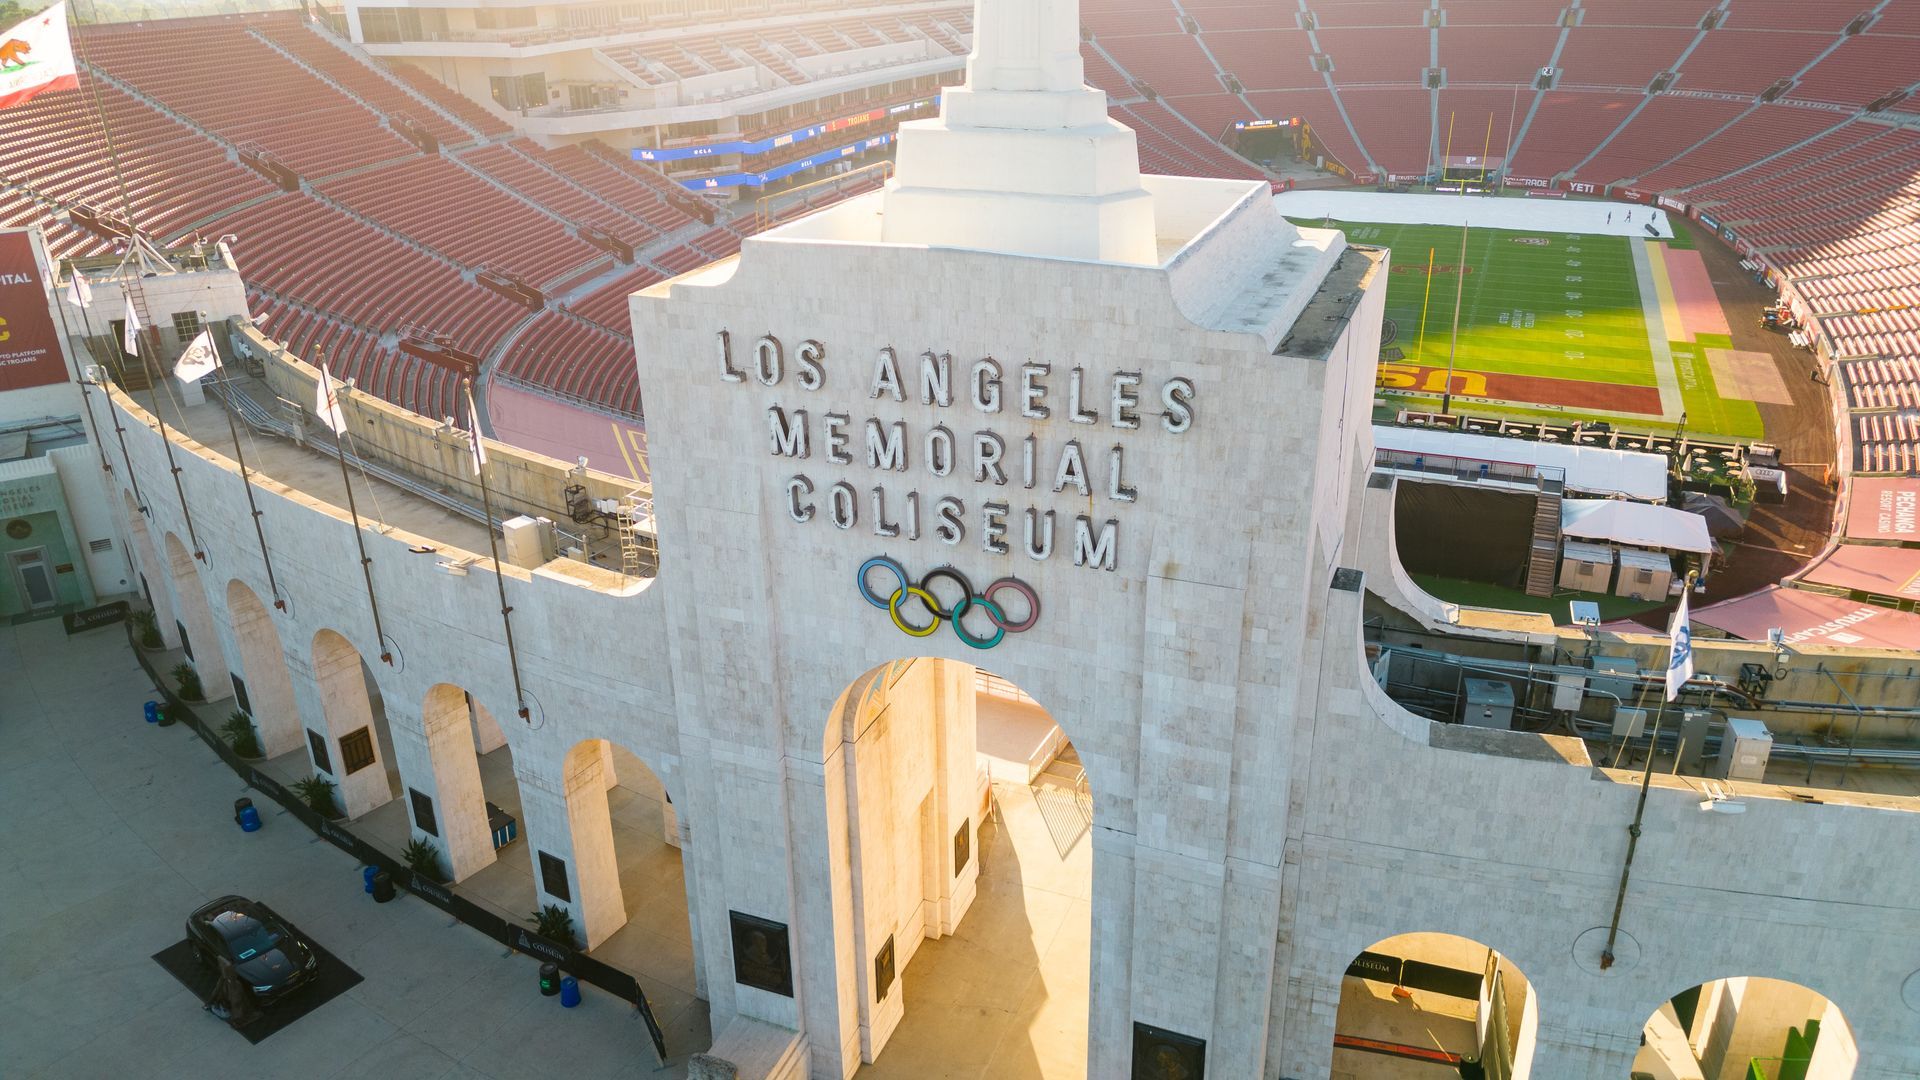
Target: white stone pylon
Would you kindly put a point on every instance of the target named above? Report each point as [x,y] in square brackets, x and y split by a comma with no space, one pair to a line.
[1023,158]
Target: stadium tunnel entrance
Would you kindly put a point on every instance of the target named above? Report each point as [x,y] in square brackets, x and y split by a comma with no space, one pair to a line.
[963,817]
[1421,1005]
[1737,1028]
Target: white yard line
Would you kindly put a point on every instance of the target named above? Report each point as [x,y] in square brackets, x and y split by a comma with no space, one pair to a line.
[1665,375]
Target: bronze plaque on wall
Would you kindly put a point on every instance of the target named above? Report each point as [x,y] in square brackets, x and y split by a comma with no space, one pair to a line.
[1159,1054]
[962,846]
[761,957]
[883,971]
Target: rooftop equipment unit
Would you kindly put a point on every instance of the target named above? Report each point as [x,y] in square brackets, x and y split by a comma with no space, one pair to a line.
[1488,704]
[1744,750]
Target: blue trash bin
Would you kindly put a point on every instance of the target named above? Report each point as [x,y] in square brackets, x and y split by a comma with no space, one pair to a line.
[249,819]
[153,712]
[569,991]
[366,876]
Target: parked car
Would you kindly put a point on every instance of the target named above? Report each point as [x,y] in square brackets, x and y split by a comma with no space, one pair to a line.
[270,955]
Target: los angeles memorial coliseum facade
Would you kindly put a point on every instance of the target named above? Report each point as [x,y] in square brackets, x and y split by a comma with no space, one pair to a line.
[1115,429]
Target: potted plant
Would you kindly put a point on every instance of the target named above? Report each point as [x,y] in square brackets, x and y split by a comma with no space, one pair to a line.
[554,923]
[317,792]
[188,680]
[423,859]
[146,630]
[238,731]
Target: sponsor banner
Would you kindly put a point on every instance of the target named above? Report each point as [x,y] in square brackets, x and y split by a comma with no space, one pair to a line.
[1265,124]
[1884,508]
[29,344]
[1526,181]
[1546,194]
[1631,195]
[761,146]
[1581,189]
[1707,219]
[105,615]
[1667,203]
[761,179]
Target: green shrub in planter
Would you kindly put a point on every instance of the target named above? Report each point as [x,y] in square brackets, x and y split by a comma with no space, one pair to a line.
[317,792]
[238,731]
[423,859]
[146,630]
[554,923]
[188,680]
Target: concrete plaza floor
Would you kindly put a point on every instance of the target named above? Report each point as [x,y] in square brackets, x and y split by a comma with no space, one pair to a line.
[115,829]
[1005,997]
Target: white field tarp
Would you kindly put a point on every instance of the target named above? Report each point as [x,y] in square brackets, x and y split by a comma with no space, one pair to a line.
[1639,524]
[1594,470]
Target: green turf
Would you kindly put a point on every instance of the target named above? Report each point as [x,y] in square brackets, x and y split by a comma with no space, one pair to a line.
[1707,411]
[1480,594]
[1682,233]
[1569,308]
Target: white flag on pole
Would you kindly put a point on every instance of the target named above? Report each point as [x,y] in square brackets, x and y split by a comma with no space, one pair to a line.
[198,361]
[1680,647]
[79,293]
[326,402]
[473,432]
[131,339]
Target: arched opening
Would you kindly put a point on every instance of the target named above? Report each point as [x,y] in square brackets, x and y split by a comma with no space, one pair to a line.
[965,818]
[151,572]
[262,688]
[356,750]
[1433,1005]
[198,637]
[1734,1029]
[614,863]
[464,802]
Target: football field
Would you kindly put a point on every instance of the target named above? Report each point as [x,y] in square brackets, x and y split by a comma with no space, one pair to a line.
[1553,325]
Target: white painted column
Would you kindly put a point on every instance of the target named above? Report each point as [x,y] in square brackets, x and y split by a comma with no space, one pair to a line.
[956,797]
[452,780]
[344,701]
[190,602]
[593,871]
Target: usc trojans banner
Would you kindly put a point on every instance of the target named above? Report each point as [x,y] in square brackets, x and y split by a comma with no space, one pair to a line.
[36,56]
[29,345]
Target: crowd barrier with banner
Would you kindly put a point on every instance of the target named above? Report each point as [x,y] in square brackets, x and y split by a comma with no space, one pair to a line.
[515,937]
[778,142]
[781,172]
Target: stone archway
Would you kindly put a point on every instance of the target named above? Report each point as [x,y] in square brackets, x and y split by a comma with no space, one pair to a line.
[200,637]
[451,811]
[152,574]
[1731,1029]
[265,689]
[967,824]
[1417,1004]
[355,720]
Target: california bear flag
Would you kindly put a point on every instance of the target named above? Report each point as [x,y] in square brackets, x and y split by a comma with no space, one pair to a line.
[35,56]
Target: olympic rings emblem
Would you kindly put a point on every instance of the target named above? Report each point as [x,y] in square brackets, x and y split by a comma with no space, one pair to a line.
[924,593]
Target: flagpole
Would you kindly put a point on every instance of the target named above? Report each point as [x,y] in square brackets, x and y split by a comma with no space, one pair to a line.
[153,369]
[86,399]
[246,480]
[1646,781]
[359,538]
[493,543]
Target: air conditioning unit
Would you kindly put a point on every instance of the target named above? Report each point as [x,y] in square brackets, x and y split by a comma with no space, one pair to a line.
[1744,749]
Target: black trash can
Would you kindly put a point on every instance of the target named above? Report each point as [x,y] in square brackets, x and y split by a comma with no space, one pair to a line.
[549,979]
[382,887]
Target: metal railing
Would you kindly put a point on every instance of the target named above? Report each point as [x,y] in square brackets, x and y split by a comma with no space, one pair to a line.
[1545,478]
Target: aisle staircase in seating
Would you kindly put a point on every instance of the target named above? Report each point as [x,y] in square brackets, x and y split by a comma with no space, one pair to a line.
[1543,556]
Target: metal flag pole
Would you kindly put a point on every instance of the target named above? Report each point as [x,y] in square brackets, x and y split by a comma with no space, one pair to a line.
[246,480]
[1459,293]
[1639,815]
[493,544]
[86,398]
[359,538]
[154,369]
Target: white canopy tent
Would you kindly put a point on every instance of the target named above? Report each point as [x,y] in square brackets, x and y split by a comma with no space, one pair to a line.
[1638,524]
[1594,470]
